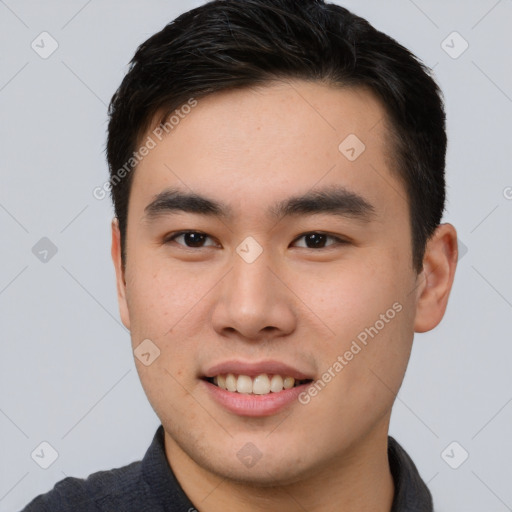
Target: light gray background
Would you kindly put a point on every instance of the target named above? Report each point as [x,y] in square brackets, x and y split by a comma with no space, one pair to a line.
[67,371]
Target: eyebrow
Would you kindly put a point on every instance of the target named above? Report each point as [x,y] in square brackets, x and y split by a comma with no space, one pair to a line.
[333,200]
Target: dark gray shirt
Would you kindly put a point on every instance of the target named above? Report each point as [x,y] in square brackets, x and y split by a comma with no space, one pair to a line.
[149,485]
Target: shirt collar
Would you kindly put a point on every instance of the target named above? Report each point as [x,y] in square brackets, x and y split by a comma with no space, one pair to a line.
[411,492]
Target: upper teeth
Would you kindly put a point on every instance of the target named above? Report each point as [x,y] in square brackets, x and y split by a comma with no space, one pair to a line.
[259,385]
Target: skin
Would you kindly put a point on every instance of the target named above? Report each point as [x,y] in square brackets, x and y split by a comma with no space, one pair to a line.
[300,305]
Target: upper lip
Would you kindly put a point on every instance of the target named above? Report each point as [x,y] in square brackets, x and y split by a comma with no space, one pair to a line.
[252,369]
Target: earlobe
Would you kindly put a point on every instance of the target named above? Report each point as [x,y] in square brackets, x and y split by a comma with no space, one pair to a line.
[120,273]
[436,279]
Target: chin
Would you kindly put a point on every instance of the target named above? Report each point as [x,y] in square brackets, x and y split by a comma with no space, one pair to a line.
[257,462]
[263,474]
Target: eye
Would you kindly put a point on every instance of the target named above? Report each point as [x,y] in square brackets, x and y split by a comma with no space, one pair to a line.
[317,240]
[191,239]
[197,239]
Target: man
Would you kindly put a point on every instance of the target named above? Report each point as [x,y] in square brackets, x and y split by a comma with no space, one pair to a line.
[277,172]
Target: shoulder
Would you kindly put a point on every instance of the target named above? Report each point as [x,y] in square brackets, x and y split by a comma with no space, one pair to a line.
[118,486]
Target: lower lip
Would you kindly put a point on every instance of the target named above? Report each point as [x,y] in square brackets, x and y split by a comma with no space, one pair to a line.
[254,405]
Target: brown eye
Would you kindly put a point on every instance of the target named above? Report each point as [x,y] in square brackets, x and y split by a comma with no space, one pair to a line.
[191,239]
[317,240]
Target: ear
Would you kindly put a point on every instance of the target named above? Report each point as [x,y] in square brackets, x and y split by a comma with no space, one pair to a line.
[436,278]
[120,279]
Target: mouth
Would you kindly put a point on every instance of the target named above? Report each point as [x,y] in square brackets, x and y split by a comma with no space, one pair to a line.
[255,388]
[261,384]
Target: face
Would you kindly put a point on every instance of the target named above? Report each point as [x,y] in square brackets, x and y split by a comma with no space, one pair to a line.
[272,285]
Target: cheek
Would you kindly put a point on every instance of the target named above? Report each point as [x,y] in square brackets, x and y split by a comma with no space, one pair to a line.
[349,296]
[160,297]
[368,311]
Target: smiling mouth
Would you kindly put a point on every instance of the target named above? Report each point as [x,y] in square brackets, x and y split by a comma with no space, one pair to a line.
[262,384]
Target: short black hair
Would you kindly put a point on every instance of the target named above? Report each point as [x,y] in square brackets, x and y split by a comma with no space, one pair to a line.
[232,44]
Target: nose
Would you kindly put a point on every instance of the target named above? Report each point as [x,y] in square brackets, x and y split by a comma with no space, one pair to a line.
[253,303]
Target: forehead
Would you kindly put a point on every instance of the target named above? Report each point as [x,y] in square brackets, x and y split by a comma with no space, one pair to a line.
[258,145]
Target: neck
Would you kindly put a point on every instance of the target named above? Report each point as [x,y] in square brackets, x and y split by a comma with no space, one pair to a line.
[357,481]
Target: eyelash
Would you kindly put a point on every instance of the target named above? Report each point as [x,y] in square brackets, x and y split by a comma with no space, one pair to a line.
[338,240]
